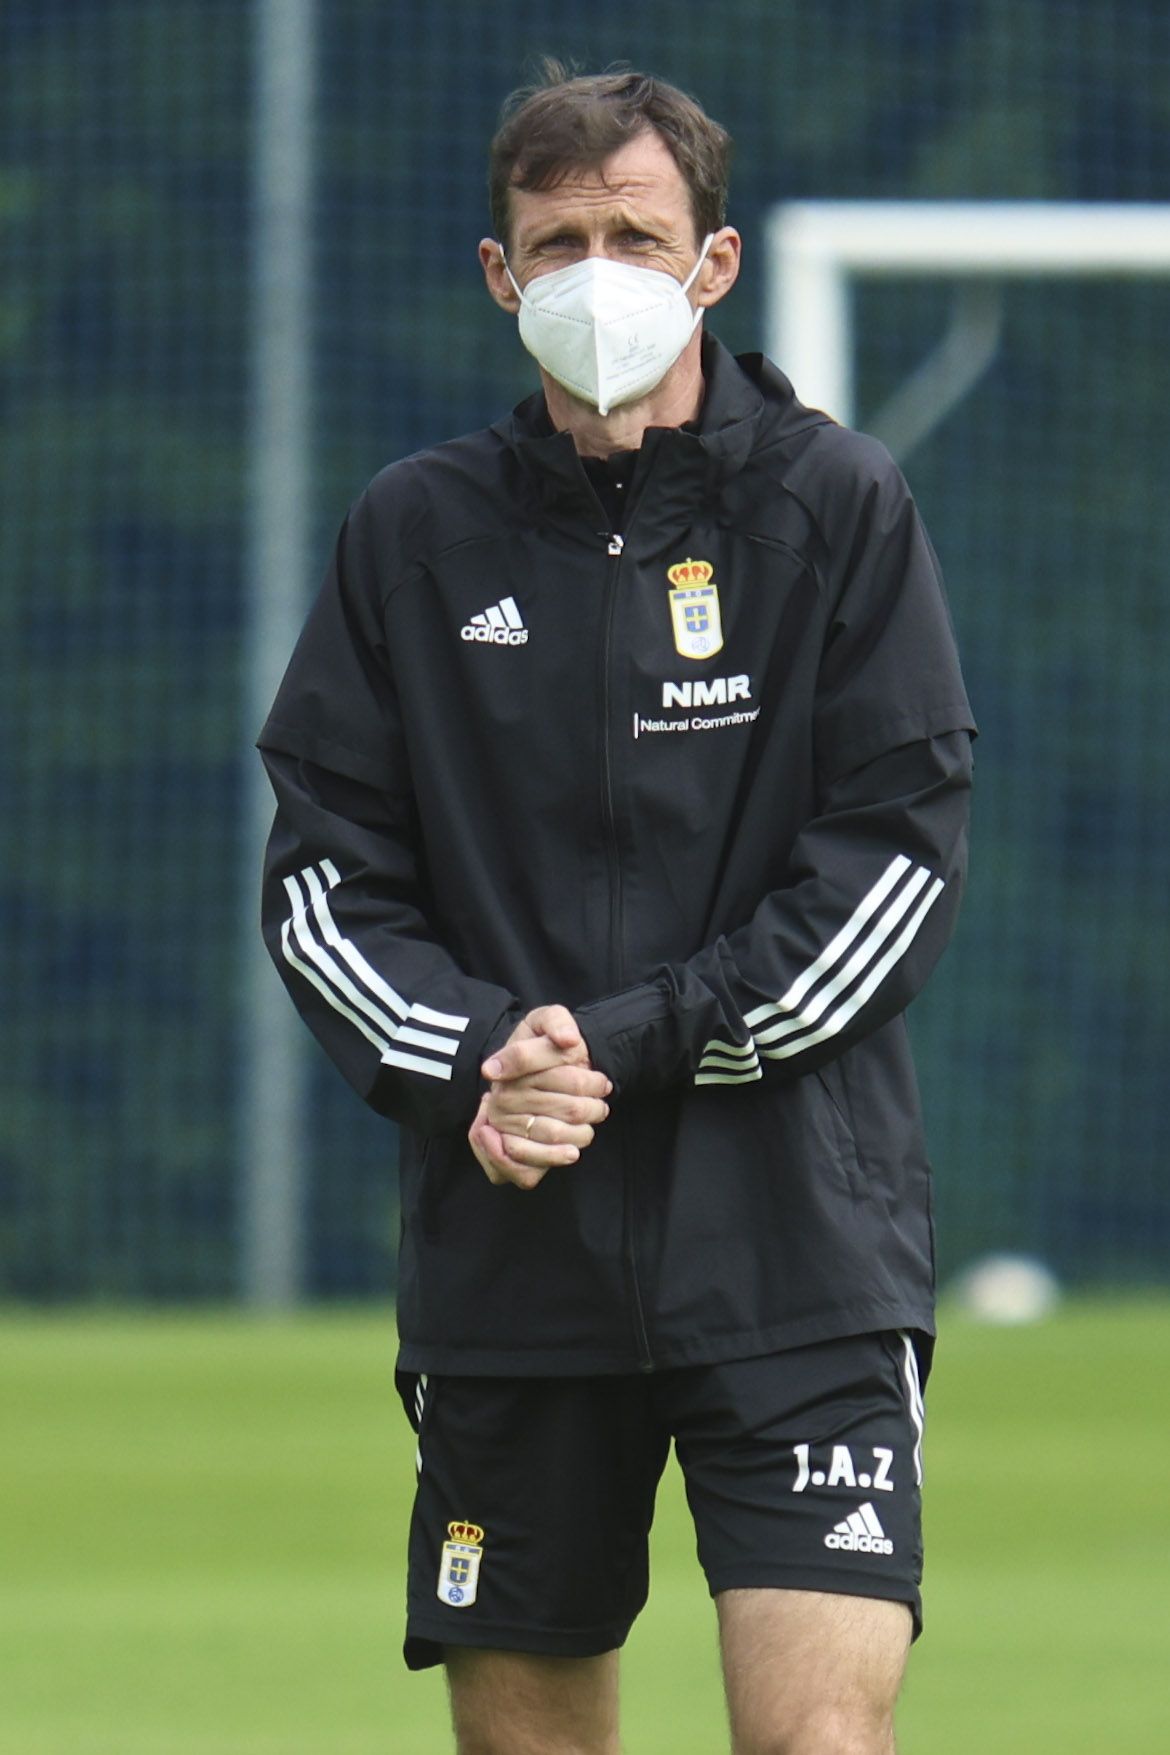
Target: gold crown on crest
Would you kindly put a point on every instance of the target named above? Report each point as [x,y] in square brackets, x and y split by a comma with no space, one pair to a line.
[690,572]
[465,1532]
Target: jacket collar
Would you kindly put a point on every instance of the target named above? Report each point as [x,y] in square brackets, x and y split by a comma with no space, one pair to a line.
[687,468]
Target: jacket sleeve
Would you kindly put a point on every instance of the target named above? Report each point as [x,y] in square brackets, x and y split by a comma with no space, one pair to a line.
[873,880]
[344,901]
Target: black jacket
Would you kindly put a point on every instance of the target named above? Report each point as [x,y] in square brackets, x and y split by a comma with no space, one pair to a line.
[514,766]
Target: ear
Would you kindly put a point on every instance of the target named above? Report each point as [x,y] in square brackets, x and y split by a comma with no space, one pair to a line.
[495,274]
[720,269]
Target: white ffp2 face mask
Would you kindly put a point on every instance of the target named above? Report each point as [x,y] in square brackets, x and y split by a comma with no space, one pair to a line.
[608,331]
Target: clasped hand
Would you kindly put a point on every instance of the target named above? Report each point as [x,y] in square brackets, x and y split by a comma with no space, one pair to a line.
[544,1103]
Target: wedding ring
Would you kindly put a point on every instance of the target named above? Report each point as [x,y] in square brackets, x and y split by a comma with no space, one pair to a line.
[528,1127]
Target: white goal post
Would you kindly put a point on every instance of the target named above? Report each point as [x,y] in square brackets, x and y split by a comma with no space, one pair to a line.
[816,248]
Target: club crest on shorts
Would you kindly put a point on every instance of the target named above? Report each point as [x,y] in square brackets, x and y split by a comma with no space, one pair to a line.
[694,609]
[459,1565]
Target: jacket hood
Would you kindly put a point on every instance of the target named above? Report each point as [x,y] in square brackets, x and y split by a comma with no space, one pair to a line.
[746,400]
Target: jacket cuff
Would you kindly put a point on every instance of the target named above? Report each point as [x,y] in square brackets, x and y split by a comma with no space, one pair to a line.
[499,1033]
[434,1106]
[497,1036]
[619,1029]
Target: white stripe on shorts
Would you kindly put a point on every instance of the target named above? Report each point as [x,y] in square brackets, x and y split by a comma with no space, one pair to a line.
[915,1402]
[420,1390]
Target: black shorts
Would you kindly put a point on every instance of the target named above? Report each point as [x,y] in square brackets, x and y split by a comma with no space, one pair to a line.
[535,1495]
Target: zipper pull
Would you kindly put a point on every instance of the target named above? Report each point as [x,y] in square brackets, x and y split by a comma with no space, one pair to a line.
[616,544]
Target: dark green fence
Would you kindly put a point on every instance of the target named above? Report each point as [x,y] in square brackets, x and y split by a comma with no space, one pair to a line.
[127,227]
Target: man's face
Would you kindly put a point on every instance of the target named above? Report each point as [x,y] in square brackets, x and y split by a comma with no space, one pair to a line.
[633,208]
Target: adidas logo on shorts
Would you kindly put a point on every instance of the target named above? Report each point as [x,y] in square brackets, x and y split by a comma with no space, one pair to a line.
[501,625]
[861,1533]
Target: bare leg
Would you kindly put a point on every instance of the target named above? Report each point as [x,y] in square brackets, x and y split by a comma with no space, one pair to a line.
[808,1673]
[511,1703]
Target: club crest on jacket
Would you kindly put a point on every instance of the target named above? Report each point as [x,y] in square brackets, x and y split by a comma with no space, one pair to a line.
[694,609]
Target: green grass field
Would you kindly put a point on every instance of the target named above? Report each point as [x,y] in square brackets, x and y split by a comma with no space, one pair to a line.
[202,1524]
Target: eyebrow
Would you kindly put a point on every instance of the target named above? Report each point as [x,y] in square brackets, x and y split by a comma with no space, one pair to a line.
[576,228]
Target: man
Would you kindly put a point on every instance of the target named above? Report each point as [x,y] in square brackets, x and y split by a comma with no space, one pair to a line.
[622,775]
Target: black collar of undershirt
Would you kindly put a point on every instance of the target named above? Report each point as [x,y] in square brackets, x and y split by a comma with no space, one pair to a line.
[610,477]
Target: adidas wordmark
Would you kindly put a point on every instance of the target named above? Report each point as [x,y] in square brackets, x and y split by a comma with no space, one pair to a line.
[861,1533]
[501,625]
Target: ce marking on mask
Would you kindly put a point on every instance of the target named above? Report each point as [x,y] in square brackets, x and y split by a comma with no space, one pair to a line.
[842,1471]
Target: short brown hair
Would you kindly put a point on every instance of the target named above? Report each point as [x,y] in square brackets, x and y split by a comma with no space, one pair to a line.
[566,122]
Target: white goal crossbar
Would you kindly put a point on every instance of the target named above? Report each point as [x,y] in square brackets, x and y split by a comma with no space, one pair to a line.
[815,248]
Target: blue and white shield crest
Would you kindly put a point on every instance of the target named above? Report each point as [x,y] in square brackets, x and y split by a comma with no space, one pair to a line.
[459,1566]
[694,614]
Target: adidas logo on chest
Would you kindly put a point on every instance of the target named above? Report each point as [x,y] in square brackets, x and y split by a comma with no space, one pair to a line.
[500,625]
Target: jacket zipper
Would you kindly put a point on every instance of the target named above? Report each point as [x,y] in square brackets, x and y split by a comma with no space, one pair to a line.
[608,814]
[616,937]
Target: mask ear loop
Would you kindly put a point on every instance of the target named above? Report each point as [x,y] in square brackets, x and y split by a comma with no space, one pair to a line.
[690,279]
[511,276]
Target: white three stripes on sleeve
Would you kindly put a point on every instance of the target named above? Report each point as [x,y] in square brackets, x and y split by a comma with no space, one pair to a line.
[786,1026]
[316,949]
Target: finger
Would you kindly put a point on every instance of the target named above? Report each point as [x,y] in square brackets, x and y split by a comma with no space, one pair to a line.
[513,1150]
[558,1023]
[570,1081]
[477,1140]
[493,1172]
[491,1153]
[547,1130]
[525,1162]
[530,1152]
[516,1059]
[541,1130]
[509,1104]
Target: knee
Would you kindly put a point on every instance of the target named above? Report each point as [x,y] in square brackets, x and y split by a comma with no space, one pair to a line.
[504,1742]
[832,1731]
[513,1703]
